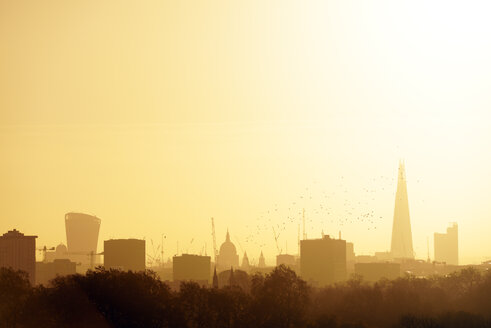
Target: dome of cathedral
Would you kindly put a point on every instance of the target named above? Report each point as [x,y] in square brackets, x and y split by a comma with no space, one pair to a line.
[228,257]
[228,248]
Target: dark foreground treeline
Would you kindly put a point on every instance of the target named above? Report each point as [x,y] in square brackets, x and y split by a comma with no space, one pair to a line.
[281,299]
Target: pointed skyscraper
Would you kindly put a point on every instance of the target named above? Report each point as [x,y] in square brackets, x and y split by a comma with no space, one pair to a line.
[402,239]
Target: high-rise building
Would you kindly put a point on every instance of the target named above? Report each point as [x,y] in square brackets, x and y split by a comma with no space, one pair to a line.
[82,232]
[402,240]
[447,245]
[124,254]
[323,261]
[187,267]
[19,253]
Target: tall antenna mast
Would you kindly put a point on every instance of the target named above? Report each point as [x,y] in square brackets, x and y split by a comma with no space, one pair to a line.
[428,247]
[298,240]
[162,251]
[303,221]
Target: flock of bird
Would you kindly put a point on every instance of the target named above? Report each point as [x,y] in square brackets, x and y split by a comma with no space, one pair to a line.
[338,209]
[330,210]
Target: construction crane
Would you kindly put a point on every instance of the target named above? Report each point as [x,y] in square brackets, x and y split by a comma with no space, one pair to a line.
[162,250]
[45,250]
[92,254]
[154,257]
[152,260]
[276,240]
[215,252]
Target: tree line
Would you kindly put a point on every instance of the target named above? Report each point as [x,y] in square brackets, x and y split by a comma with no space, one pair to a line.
[112,298]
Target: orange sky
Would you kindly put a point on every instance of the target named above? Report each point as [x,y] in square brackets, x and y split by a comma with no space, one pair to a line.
[157,115]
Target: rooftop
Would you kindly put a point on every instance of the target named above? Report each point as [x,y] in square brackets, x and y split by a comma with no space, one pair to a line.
[16,234]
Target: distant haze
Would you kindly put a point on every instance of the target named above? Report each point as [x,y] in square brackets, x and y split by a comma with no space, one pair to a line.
[156,116]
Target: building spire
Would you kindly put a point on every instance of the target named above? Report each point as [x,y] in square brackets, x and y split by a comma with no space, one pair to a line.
[215,278]
[262,262]
[231,281]
[245,262]
[402,240]
[227,238]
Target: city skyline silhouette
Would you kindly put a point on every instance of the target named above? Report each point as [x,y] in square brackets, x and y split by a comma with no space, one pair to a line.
[400,247]
[295,164]
[170,123]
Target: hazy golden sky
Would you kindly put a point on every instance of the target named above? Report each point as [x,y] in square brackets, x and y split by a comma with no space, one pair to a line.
[157,115]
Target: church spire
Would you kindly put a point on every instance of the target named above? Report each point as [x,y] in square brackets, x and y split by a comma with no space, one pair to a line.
[245,262]
[215,278]
[227,238]
[262,262]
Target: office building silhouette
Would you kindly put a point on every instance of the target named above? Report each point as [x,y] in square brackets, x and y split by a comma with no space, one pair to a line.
[187,267]
[124,254]
[18,252]
[46,271]
[323,261]
[373,272]
[286,259]
[447,245]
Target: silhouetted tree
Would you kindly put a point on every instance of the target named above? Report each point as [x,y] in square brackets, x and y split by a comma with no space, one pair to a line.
[280,299]
[478,299]
[65,304]
[109,298]
[129,299]
[113,298]
[14,292]
[194,305]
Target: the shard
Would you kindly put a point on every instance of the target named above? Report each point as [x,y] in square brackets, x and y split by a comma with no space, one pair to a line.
[402,240]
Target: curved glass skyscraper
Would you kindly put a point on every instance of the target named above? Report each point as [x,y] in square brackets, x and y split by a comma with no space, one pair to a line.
[82,233]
